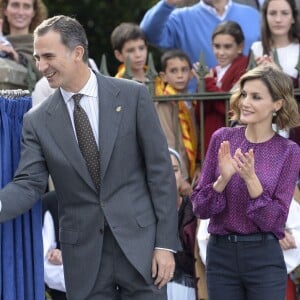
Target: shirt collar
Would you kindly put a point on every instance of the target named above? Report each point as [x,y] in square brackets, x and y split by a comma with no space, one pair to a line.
[213,11]
[87,90]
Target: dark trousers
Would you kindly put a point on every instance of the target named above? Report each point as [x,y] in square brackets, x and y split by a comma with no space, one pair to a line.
[56,295]
[118,279]
[245,270]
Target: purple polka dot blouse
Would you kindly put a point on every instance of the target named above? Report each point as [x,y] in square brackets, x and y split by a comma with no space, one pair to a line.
[277,165]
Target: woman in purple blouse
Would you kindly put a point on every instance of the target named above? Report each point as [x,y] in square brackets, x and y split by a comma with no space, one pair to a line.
[246,186]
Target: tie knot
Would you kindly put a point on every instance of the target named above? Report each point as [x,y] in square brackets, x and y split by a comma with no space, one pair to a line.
[77,98]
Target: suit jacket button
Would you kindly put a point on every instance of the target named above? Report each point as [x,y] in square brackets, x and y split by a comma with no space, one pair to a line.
[101,230]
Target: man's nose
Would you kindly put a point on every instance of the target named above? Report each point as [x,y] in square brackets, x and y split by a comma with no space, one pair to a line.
[41,65]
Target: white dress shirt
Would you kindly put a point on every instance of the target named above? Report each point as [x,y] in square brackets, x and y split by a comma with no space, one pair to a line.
[213,11]
[89,103]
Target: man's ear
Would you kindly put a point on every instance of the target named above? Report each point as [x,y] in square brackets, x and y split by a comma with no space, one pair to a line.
[119,56]
[79,52]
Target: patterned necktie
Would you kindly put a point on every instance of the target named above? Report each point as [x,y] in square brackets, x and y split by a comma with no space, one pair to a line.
[86,140]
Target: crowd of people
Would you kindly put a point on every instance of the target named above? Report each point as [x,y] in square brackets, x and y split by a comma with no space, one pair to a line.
[129,201]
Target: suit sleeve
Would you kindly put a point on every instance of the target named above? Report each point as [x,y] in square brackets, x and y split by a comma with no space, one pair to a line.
[159,171]
[30,179]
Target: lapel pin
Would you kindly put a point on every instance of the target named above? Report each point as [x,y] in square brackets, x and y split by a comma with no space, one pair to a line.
[118,108]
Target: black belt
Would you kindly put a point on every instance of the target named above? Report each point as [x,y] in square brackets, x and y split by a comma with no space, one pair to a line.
[235,238]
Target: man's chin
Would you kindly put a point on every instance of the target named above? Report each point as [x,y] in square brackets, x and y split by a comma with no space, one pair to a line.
[53,84]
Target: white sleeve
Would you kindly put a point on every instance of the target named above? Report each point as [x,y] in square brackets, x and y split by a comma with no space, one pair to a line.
[42,90]
[53,274]
[202,238]
[257,49]
[292,256]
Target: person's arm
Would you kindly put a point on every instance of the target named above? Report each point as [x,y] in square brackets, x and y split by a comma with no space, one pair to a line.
[157,26]
[31,177]
[53,267]
[270,209]
[202,239]
[291,242]
[208,197]
[162,186]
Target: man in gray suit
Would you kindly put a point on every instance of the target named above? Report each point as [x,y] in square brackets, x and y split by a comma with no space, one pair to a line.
[118,238]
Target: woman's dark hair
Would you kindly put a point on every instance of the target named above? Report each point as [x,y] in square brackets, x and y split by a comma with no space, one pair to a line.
[231,28]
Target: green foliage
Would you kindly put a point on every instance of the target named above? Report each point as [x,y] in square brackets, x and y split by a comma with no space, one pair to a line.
[99,18]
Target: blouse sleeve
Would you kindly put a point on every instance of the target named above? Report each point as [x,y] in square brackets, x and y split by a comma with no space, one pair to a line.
[206,201]
[269,211]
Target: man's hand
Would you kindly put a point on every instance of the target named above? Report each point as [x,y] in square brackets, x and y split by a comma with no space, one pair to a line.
[163,266]
[10,51]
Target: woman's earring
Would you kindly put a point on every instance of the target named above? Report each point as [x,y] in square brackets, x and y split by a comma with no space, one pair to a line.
[274,113]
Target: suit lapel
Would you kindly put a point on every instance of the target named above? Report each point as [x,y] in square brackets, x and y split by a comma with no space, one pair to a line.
[60,127]
[110,114]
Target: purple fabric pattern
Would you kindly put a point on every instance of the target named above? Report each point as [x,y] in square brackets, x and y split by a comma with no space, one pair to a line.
[277,165]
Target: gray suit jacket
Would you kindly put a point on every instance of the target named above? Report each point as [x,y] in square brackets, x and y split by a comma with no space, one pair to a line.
[137,194]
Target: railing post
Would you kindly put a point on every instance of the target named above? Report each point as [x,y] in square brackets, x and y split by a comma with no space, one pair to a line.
[103,66]
[276,59]
[128,73]
[202,70]
[252,62]
[151,75]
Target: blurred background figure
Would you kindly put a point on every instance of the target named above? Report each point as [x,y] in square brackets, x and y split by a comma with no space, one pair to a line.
[20,18]
[280,37]
[182,286]
[53,264]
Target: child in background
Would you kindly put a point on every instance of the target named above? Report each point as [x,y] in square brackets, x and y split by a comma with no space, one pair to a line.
[177,118]
[182,286]
[228,43]
[128,41]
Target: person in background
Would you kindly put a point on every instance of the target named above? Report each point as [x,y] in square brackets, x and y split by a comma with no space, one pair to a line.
[20,18]
[128,41]
[228,44]
[246,187]
[290,244]
[53,264]
[182,286]
[280,32]
[100,140]
[191,28]
[178,118]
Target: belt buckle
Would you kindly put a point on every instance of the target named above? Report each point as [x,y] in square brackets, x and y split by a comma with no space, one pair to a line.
[232,238]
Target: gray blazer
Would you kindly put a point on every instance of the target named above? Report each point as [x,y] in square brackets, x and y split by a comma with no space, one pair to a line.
[138,190]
